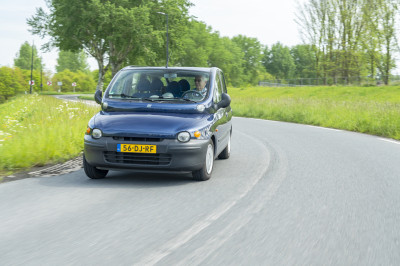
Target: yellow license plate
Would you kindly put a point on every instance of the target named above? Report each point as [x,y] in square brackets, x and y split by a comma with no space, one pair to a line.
[136,148]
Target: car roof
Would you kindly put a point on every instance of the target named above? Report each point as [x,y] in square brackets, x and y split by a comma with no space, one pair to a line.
[203,69]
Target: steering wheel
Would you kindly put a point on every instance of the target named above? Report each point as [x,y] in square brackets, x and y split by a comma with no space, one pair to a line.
[192,95]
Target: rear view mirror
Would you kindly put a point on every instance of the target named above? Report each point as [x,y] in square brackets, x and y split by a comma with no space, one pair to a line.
[98,96]
[170,75]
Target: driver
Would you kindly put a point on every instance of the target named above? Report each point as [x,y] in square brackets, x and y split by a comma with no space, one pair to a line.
[200,83]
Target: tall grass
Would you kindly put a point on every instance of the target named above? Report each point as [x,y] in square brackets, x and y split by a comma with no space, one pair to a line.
[65,93]
[372,110]
[35,130]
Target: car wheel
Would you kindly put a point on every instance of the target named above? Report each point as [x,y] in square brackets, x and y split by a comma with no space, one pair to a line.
[92,171]
[227,151]
[205,172]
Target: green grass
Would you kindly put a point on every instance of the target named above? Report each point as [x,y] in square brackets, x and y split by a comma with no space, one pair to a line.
[87,97]
[372,110]
[36,130]
[65,93]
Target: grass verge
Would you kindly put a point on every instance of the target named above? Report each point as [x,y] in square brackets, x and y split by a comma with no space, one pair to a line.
[65,93]
[36,130]
[87,97]
[371,110]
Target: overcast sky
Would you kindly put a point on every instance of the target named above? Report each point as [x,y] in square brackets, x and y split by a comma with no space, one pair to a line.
[269,21]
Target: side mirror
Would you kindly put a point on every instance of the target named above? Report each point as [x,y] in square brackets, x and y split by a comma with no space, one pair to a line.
[225,101]
[98,96]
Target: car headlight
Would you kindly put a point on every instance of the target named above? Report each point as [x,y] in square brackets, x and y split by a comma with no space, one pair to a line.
[96,133]
[184,136]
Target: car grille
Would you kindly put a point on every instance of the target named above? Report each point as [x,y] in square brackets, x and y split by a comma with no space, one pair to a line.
[138,139]
[137,158]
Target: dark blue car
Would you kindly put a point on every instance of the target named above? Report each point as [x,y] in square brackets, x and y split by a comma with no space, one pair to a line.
[160,119]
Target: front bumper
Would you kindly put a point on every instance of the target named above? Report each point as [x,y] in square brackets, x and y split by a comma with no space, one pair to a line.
[171,154]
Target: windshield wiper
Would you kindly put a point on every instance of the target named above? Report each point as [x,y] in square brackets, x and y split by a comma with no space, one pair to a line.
[122,95]
[188,100]
[150,99]
[158,99]
[128,96]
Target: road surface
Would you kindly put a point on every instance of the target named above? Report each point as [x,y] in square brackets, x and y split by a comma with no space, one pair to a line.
[289,195]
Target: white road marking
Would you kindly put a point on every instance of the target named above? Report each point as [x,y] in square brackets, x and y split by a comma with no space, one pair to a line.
[274,121]
[194,230]
[391,141]
[327,128]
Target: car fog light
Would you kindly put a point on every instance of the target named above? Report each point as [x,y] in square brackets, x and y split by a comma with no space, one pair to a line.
[96,133]
[184,136]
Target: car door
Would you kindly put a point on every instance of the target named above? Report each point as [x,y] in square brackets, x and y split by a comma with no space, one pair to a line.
[223,116]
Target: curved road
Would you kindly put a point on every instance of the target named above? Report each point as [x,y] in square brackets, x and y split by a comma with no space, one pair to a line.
[289,195]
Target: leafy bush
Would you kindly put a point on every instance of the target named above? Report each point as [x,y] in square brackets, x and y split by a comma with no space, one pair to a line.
[84,81]
[11,82]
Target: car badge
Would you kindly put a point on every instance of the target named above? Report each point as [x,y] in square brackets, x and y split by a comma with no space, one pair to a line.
[149,106]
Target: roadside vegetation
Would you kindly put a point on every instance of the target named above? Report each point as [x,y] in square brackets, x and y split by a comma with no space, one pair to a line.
[66,93]
[371,110]
[87,97]
[37,130]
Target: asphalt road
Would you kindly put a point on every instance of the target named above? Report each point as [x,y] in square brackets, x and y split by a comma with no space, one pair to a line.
[289,195]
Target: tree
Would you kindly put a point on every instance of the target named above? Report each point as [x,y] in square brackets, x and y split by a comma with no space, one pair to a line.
[350,37]
[304,60]
[151,49]
[279,62]
[200,46]
[371,45]
[312,18]
[23,58]
[387,33]
[197,45]
[107,30]
[74,61]
[15,80]
[84,81]
[8,87]
[351,23]
[228,56]
[252,56]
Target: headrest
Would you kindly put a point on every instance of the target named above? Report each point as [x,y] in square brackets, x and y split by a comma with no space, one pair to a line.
[184,84]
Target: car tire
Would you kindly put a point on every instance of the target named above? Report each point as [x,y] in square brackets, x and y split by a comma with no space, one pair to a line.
[92,172]
[205,172]
[227,151]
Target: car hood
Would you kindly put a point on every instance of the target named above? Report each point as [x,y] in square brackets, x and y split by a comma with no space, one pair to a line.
[149,124]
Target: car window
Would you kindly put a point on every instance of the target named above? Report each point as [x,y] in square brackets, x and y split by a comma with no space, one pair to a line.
[159,84]
[224,89]
[218,89]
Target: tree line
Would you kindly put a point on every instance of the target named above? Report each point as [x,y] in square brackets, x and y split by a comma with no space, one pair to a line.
[341,39]
[71,67]
[351,37]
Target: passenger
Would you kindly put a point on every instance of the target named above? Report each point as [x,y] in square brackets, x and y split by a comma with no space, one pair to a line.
[200,82]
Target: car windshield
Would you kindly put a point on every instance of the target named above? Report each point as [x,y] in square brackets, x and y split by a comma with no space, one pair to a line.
[161,85]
